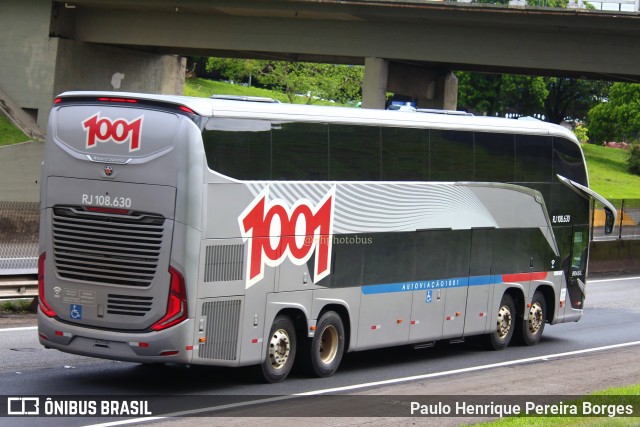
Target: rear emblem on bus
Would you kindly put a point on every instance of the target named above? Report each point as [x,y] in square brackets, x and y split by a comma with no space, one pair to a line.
[104,129]
[276,231]
[108,170]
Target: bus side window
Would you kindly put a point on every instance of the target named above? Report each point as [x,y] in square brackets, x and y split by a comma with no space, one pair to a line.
[494,157]
[238,148]
[300,151]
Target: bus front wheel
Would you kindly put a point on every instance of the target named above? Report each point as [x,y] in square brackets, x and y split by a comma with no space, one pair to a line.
[503,330]
[327,346]
[281,350]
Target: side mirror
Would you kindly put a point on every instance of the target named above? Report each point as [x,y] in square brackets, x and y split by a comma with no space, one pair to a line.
[609,221]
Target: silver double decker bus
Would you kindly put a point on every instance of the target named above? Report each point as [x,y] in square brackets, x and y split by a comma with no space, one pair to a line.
[239,232]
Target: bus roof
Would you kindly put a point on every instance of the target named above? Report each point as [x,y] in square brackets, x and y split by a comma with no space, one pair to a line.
[231,108]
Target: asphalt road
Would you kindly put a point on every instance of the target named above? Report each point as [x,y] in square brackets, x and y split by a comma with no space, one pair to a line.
[564,362]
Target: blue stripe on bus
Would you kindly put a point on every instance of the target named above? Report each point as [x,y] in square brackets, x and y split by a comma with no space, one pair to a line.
[431,284]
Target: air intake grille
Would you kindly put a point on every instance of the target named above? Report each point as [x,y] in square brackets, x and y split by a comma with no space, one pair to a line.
[128,305]
[223,325]
[107,248]
[224,263]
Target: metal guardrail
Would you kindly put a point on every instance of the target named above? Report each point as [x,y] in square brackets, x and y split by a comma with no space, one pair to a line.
[18,287]
[627,226]
[19,228]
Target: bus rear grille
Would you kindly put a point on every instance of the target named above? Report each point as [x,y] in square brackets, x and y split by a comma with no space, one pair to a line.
[128,305]
[106,248]
[223,326]
[224,263]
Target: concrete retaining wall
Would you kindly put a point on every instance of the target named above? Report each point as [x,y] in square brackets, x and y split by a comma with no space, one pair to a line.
[615,256]
[20,172]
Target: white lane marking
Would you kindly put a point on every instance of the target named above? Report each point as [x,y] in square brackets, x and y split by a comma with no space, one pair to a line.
[24,328]
[613,280]
[370,384]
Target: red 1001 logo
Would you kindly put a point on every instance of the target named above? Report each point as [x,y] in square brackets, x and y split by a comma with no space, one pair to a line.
[277,231]
[119,131]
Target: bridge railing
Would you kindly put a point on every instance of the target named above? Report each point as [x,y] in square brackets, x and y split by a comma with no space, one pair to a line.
[600,5]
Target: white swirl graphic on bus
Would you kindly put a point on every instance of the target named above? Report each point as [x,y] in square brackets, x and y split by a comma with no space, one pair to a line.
[277,231]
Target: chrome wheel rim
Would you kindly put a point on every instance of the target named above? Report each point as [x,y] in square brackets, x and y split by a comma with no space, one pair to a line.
[328,344]
[504,321]
[535,318]
[279,348]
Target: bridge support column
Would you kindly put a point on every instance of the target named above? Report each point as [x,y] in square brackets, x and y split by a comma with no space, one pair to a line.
[85,66]
[374,87]
[44,58]
[430,88]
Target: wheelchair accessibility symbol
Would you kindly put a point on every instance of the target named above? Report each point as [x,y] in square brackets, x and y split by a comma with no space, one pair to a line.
[429,297]
[76,312]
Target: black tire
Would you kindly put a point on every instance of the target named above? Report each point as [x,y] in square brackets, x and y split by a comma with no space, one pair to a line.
[281,350]
[533,320]
[327,345]
[500,338]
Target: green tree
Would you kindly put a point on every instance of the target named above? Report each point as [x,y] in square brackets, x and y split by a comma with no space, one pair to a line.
[572,98]
[618,119]
[549,3]
[296,80]
[582,132]
[634,159]
[311,81]
[539,3]
[234,69]
[498,94]
[556,98]
[291,78]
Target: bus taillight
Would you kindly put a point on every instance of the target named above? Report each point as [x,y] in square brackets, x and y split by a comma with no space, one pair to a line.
[44,306]
[125,100]
[186,109]
[177,304]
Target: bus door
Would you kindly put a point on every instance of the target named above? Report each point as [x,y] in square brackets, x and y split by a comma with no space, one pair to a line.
[436,255]
[480,282]
[444,263]
[385,303]
[577,265]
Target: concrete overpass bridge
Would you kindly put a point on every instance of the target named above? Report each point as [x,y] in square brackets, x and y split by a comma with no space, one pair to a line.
[407,46]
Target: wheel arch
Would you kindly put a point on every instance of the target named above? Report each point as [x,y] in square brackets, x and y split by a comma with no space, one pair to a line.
[548,293]
[517,294]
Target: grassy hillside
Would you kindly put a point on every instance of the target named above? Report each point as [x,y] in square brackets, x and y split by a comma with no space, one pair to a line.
[9,134]
[608,174]
[205,88]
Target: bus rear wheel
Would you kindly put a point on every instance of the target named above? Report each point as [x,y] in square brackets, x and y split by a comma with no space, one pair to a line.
[533,320]
[281,350]
[327,345]
[500,338]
